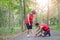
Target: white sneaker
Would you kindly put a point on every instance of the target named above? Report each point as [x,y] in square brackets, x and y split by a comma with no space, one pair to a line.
[28,35]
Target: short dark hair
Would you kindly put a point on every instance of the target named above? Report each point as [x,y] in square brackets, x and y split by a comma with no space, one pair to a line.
[36,24]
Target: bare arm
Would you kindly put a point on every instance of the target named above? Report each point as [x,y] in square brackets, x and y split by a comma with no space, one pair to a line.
[40,29]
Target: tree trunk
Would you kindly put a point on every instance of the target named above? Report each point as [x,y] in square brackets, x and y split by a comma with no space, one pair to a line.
[48,14]
[9,16]
[24,13]
[12,22]
[24,10]
[58,14]
[21,14]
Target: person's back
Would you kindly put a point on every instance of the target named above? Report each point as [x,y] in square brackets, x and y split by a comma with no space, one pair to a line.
[45,26]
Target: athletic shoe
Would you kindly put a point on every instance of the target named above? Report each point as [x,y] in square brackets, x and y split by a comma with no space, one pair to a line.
[28,35]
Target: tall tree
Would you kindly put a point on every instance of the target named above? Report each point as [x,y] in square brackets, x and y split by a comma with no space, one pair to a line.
[59,13]
[9,13]
[24,9]
[48,14]
[21,12]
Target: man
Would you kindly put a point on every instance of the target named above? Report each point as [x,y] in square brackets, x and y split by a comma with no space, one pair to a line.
[29,21]
[43,29]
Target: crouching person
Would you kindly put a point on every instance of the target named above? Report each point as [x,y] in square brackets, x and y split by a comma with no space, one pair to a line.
[43,29]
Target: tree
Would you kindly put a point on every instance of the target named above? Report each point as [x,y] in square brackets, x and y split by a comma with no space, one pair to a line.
[58,13]
[21,14]
[48,14]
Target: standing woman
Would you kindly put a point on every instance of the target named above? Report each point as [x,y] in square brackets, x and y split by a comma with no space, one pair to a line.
[29,21]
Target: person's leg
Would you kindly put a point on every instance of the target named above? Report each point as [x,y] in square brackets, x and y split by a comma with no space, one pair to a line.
[31,29]
[27,30]
[49,34]
[45,33]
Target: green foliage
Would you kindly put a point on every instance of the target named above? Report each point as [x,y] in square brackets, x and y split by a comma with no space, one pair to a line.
[1,17]
[6,31]
[2,31]
[12,7]
[55,27]
[1,38]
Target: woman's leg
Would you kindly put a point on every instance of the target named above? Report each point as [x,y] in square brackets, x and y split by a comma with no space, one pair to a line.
[27,31]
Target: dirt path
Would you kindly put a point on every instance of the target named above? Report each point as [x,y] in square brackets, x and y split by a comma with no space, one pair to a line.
[55,35]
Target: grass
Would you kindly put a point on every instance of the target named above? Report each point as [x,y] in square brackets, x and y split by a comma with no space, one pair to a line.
[54,27]
[11,30]
[1,38]
[8,31]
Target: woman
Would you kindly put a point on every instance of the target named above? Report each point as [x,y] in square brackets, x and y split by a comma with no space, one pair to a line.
[29,21]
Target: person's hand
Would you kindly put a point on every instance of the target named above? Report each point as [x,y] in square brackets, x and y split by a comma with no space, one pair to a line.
[34,33]
[29,24]
[32,24]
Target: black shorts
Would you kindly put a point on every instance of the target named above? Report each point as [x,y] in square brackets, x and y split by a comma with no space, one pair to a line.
[47,33]
[29,26]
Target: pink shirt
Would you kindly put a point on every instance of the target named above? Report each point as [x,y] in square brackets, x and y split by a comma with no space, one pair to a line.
[44,27]
[30,18]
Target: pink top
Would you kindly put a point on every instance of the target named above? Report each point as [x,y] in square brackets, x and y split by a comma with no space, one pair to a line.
[44,27]
[30,18]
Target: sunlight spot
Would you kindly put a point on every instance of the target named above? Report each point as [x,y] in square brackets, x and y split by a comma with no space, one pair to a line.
[41,5]
[46,8]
